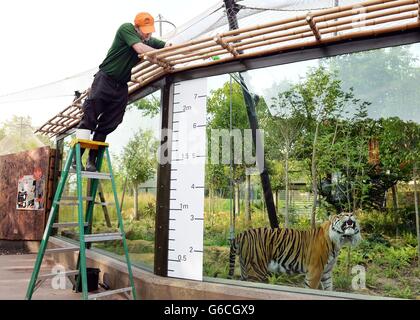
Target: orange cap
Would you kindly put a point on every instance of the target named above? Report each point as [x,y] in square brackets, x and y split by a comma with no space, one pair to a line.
[145,22]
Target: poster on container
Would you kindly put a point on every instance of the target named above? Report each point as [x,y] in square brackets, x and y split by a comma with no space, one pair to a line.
[30,195]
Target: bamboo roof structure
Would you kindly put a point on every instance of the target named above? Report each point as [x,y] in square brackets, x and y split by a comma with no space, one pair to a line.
[326,26]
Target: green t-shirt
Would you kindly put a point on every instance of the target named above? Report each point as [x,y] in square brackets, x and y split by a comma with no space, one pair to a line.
[121,57]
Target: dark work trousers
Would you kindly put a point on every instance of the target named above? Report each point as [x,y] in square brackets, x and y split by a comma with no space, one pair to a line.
[104,108]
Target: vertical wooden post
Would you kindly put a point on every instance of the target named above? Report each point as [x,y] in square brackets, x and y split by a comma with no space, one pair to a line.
[163,184]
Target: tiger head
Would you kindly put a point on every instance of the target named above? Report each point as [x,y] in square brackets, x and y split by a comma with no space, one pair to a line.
[344,229]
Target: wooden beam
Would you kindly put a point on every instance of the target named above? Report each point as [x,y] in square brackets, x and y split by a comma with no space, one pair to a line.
[160,62]
[227,46]
[312,25]
[418,9]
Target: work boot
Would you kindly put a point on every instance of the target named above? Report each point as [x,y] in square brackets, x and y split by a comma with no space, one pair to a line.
[93,154]
[91,163]
[73,164]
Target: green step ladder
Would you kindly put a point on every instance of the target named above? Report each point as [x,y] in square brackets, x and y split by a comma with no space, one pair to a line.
[84,223]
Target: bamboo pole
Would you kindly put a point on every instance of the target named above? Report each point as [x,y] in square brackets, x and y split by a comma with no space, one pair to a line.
[60,124]
[349,35]
[141,79]
[370,16]
[386,5]
[316,18]
[299,32]
[141,65]
[84,94]
[324,25]
[146,82]
[200,54]
[142,71]
[160,62]
[190,46]
[227,46]
[188,49]
[312,25]
[323,30]
[352,35]
[359,10]
[296,18]
[64,122]
[418,14]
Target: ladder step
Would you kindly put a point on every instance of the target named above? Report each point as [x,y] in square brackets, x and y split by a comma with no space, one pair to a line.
[102,237]
[68,224]
[52,275]
[89,144]
[61,250]
[105,203]
[93,175]
[109,293]
[76,198]
[65,203]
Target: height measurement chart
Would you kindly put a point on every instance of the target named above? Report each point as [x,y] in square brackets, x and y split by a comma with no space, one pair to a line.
[188,158]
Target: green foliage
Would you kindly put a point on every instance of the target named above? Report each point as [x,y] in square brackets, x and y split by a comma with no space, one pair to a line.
[388,222]
[389,79]
[150,105]
[139,157]
[17,135]
[403,293]
[2,133]
[214,261]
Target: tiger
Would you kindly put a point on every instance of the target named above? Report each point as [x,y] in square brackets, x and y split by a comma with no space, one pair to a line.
[266,251]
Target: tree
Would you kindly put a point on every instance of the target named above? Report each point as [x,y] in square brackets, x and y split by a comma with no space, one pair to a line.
[316,100]
[386,77]
[282,133]
[17,135]
[218,117]
[139,161]
[149,105]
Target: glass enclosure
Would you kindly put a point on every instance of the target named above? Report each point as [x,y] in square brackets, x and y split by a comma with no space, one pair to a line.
[133,156]
[341,134]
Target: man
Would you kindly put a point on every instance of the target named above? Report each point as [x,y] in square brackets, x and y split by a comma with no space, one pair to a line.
[105,105]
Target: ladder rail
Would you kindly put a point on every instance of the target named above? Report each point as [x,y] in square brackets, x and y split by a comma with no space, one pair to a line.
[84,221]
[121,226]
[48,229]
[89,207]
[82,251]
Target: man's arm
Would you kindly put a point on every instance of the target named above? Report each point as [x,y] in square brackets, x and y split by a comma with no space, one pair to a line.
[140,48]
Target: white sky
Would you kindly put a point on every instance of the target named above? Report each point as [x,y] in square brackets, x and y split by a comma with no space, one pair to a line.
[48,40]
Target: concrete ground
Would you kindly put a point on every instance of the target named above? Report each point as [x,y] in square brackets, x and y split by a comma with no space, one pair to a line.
[15,273]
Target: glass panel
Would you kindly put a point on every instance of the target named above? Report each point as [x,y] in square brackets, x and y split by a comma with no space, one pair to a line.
[133,156]
[341,136]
